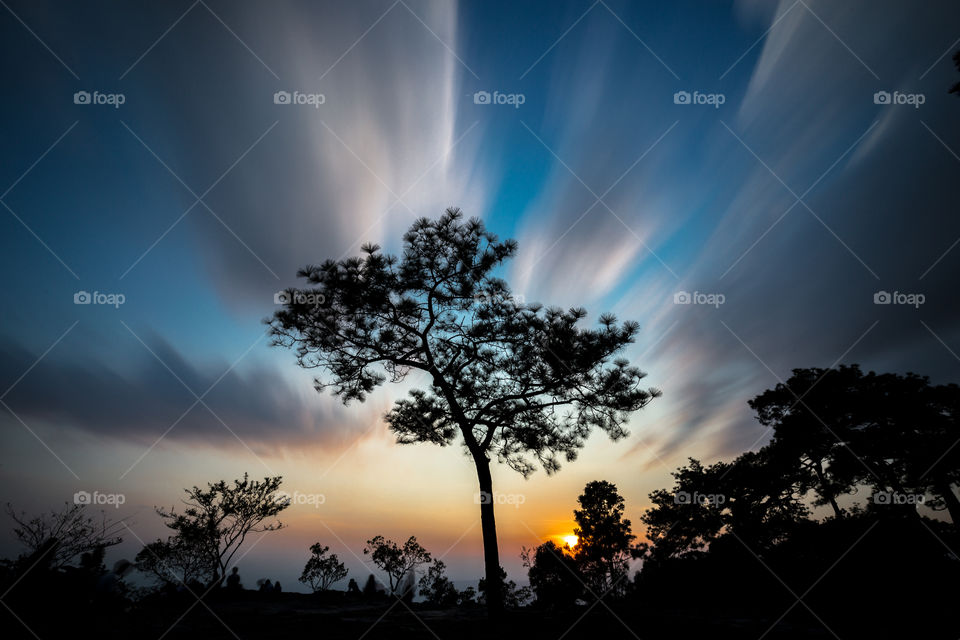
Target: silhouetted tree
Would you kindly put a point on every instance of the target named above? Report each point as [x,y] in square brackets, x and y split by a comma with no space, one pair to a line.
[177,561]
[395,560]
[436,588]
[752,497]
[216,521]
[846,429]
[72,530]
[554,575]
[604,539]
[321,570]
[811,424]
[467,596]
[512,380]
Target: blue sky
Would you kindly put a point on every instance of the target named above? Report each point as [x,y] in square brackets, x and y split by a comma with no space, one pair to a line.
[797,200]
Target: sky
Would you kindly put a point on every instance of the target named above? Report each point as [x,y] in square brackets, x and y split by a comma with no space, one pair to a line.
[761,185]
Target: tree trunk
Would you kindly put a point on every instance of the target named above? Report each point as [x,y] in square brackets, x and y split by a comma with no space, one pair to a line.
[826,490]
[950,498]
[491,554]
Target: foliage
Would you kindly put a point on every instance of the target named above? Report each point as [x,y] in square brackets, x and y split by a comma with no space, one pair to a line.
[554,575]
[321,570]
[65,534]
[841,429]
[513,596]
[604,539]
[396,561]
[176,562]
[216,521]
[436,588]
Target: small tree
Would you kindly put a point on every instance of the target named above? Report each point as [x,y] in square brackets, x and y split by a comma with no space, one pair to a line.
[217,520]
[467,597]
[515,382]
[395,560]
[65,534]
[554,575]
[175,562]
[436,588]
[603,537]
[321,570]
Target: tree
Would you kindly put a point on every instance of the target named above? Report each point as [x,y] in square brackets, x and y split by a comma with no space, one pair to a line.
[844,429]
[65,534]
[176,562]
[436,588]
[511,380]
[321,571]
[394,560]
[217,520]
[554,575]
[811,423]
[755,497]
[604,539]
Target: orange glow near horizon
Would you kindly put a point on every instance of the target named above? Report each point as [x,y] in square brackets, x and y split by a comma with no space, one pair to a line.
[571,540]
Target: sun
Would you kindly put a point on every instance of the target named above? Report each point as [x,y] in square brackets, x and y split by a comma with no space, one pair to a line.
[571,540]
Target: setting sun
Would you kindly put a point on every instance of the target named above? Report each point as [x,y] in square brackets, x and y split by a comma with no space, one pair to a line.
[570,540]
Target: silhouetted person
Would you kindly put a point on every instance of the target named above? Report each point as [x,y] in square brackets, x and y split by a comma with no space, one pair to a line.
[266,586]
[277,588]
[233,580]
[370,587]
[352,588]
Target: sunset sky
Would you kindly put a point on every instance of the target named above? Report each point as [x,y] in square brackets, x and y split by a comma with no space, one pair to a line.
[788,196]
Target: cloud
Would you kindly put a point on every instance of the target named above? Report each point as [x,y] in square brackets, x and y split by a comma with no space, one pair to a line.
[324,180]
[252,405]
